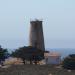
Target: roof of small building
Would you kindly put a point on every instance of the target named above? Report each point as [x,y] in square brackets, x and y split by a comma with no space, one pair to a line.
[52,54]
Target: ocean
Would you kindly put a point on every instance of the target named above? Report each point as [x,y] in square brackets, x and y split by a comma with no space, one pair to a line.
[63,51]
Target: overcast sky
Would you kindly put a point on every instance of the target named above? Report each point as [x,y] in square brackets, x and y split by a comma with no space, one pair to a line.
[58,22]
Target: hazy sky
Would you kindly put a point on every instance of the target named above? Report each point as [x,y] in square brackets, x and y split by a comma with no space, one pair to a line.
[58,22]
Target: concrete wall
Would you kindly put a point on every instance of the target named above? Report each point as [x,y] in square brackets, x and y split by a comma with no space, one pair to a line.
[53,60]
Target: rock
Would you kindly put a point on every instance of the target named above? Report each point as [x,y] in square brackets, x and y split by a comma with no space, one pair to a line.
[69,70]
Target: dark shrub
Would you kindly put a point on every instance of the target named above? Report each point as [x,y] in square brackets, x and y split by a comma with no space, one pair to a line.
[3,55]
[69,62]
[29,53]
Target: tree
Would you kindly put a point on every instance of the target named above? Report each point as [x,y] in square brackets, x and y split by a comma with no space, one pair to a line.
[29,53]
[69,62]
[3,55]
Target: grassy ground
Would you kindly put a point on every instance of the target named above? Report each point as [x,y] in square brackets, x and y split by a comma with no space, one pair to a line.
[34,70]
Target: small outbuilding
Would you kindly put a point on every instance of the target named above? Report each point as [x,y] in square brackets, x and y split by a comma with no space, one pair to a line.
[52,58]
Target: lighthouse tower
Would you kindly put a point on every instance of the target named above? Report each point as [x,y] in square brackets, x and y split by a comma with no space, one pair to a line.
[36,35]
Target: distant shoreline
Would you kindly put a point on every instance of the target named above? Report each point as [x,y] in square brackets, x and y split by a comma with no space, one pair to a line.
[63,51]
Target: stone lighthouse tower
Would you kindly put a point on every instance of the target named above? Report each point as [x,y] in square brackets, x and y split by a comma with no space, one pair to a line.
[36,35]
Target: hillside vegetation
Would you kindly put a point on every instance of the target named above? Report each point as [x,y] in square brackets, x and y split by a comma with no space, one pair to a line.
[34,70]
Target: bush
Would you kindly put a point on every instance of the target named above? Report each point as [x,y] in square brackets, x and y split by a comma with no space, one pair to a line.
[69,62]
[29,53]
[3,55]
